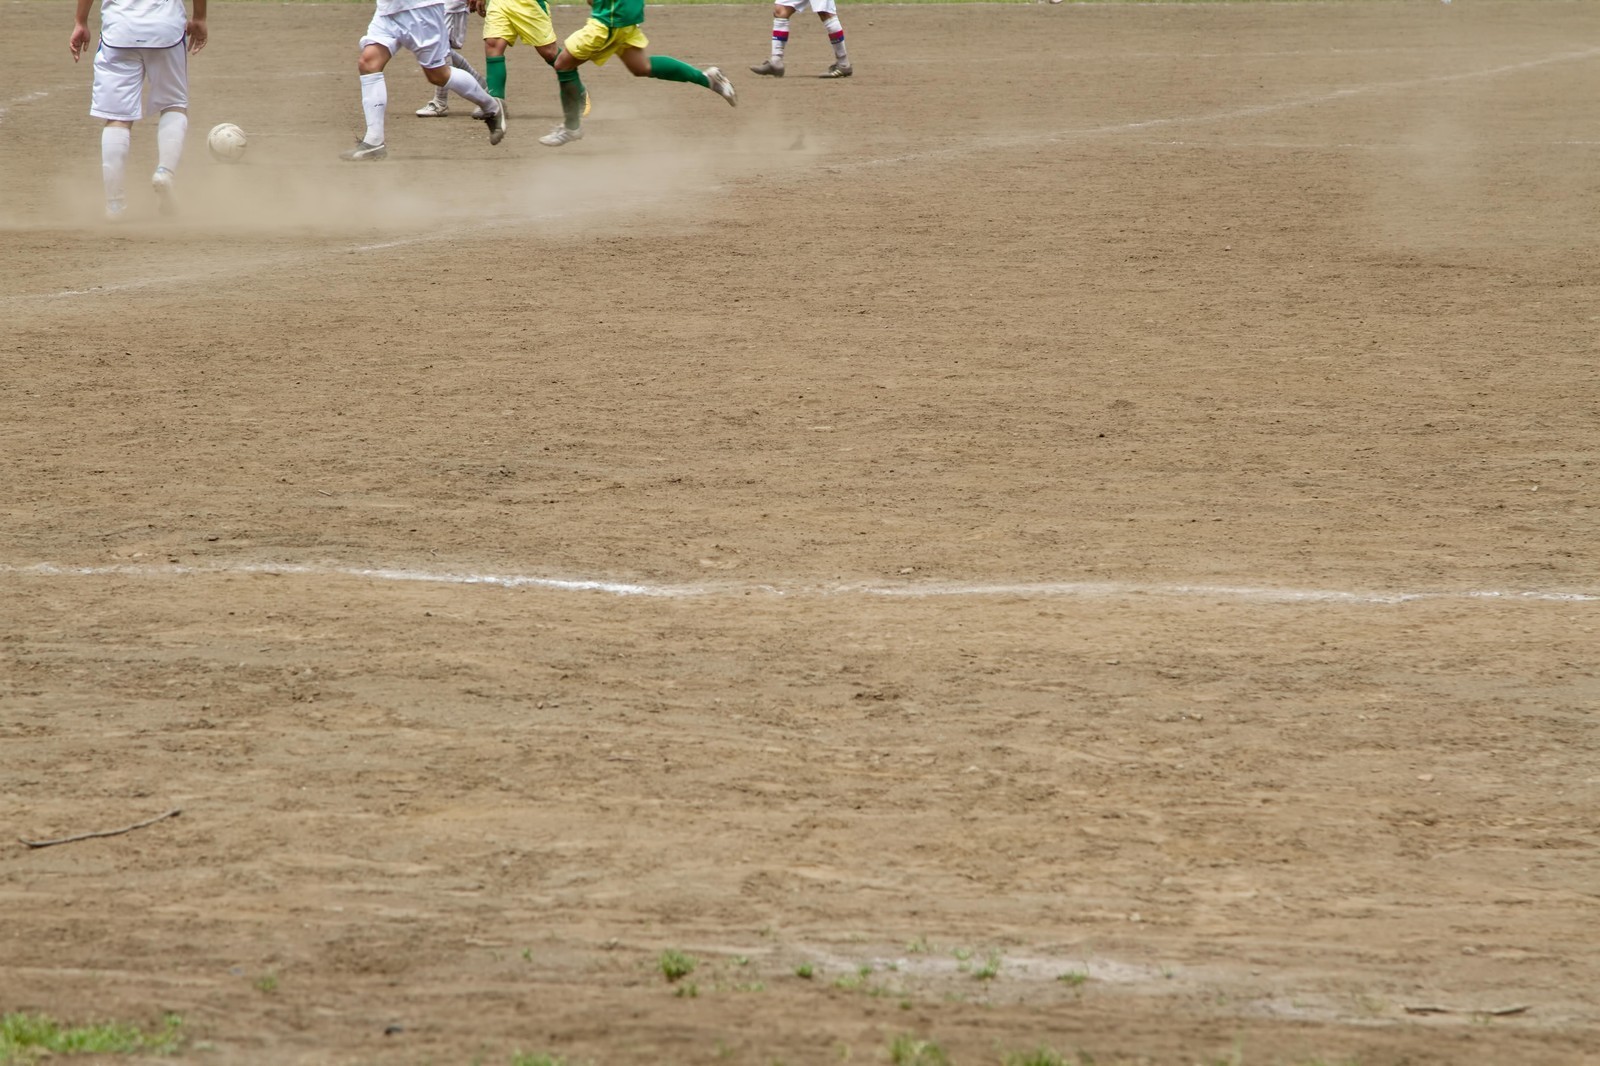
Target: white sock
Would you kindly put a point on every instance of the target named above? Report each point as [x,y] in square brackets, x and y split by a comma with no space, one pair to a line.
[374,103]
[171,128]
[460,62]
[114,141]
[463,84]
[835,30]
[780,37]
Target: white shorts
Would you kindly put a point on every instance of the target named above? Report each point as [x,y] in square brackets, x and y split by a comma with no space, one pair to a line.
[456,23]
[420,30]
[120,74]
[821,7]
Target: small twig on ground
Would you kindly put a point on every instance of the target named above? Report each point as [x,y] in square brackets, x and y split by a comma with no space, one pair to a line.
[1498,1012]
[103,832]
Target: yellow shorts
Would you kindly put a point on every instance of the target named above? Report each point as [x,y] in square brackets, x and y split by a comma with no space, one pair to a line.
[597,42]
[519,20]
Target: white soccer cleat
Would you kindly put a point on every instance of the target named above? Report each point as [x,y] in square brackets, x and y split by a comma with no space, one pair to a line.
[721,85]
[561,135]
[433,109]
[161,181]
[772,68]
[364,152]
[115,210]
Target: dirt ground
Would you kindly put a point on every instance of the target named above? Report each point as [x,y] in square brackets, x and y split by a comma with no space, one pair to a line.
[1080,537]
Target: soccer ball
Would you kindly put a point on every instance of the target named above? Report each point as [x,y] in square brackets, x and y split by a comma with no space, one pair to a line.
[226,142]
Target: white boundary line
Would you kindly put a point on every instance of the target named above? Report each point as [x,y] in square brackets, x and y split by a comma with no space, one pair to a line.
[1100,590]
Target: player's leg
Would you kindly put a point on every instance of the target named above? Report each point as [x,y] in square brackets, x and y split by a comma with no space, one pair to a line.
[828,12]
[428,38]
[115,99]
[456,24]
[376,50]
[571,90]
[643,65]
[167,76]
[453,79]
[773,65]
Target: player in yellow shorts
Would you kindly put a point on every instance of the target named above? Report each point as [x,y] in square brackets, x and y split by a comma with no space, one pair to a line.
[505,22]
[613,30]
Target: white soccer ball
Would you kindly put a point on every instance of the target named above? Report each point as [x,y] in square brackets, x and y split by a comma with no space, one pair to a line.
[227,143]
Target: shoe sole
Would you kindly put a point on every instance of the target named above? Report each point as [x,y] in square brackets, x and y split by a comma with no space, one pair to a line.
[767,73]
[381,152]
[834,75]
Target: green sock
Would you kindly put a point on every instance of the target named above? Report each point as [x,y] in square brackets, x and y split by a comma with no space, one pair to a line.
[668,69]
[571,98]
[497,76]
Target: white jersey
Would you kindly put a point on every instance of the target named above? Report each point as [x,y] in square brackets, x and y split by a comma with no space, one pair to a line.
[455,7]
[142,23]
[394,7]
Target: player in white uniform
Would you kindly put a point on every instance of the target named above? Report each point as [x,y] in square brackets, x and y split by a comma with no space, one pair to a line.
[143,43]
[455,20]
[829,14]
[419,26]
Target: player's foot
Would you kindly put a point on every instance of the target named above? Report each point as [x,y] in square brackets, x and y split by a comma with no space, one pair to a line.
[721,85]
[561,135]
[838,70]
[771,67]
[161,182]
[496,121]
[434,109]
[115,210]
[365,151]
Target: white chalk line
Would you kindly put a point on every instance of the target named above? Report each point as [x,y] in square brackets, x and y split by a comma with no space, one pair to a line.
[1099,590]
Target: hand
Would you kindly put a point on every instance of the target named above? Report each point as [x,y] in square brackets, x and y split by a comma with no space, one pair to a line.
[196,32]
[478,7]
[79,40]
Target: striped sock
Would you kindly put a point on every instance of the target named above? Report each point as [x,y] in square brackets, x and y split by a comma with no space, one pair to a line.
[835,30]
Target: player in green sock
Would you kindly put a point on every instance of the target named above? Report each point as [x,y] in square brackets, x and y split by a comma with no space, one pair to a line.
[505,22]
[613,30]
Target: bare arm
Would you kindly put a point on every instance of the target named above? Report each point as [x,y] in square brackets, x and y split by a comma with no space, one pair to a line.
[80,29]
[196,30]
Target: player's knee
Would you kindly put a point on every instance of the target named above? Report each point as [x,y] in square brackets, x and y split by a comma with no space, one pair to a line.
[438,75]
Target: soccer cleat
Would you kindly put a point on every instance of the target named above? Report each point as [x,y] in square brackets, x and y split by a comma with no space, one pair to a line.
[496,121]
[561,135]
[161,182]
[364,151]
[721,85]
[115,210]
[838,70]
[479,113]
[434,109]
[771,67]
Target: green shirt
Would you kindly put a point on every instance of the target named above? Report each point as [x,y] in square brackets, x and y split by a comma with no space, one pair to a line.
[617,13]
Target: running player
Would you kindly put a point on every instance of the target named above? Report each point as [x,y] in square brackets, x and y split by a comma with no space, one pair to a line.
[505,22]
[419,26]
[455,20]
[614,29]
[829,14]
[142,43]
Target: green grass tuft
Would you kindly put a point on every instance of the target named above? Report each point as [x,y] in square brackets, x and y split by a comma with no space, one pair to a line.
[26,1038]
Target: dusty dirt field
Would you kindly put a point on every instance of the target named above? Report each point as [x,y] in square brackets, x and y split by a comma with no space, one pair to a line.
[1083,535]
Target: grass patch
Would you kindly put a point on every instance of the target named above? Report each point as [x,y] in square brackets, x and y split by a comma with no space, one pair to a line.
[675,965]
[908,1050]
[27,1038]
